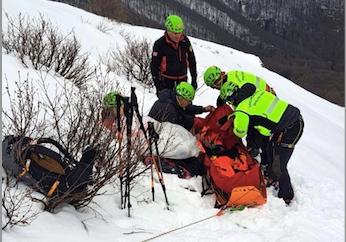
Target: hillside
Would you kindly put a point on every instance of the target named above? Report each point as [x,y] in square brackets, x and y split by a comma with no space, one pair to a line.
[316,167]
[301,40]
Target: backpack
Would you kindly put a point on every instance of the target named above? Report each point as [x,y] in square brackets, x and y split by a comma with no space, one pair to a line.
[234,181]
[44,169]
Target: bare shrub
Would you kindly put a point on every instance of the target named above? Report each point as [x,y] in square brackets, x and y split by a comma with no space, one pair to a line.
[134,60]
[38,42]
[104,27]
[17,206]
[73,118]
[22,116]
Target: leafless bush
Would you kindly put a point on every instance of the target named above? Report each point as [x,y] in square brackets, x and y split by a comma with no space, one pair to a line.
[17,208]
[134,60]
[104,27]
[22,116]
[38,42]
[73,118]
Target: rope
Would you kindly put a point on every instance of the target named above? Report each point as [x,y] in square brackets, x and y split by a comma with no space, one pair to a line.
[219,213]
[182,227]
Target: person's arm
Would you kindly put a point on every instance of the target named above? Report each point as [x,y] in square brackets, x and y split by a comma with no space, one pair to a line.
[244,92]
[241,123]
[192,64]
[194,109]
[156,58]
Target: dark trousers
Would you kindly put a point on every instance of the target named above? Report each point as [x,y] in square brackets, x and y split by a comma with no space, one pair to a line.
[165,83]
[255,140]
[279,151]
[193,164]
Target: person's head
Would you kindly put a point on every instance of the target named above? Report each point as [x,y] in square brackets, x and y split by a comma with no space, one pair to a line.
[213,77]
[185,93]
[227,90]
[175,27]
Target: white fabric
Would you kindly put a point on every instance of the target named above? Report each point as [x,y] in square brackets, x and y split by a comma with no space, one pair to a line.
[175,142]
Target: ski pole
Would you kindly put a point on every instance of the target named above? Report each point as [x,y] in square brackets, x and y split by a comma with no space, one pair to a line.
[154,137]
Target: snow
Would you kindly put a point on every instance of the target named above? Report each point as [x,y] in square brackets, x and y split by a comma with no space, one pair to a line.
[316,166]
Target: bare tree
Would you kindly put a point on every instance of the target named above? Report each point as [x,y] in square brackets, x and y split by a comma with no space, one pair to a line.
[134,60]
[73,119]
[37,42]
[17,206]
[22,116]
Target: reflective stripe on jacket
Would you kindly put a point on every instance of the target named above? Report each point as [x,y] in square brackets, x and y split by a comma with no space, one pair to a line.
[241,77]
[262,110]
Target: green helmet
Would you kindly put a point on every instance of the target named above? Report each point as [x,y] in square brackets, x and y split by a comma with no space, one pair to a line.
[174,24]
[227,90]
[109,101]
[185,90]
[211,75]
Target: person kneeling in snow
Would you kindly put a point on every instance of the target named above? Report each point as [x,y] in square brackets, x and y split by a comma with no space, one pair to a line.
[177,147]
[274,118]
[176,107]
[214,77]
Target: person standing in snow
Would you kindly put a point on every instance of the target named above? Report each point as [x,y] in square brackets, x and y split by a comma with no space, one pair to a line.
[214,77]
[171,57]
[274,118]
[176,106]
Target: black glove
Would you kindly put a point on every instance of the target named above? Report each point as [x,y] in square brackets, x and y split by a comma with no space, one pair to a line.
[253,151]
[220,102]
[223,120]
[232,153]
[214,150]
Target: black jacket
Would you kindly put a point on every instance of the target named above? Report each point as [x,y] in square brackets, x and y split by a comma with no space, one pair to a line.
[170,62]
[166,109]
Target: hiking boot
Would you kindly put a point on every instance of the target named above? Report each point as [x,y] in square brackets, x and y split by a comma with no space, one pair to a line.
[270,182]
[286,194]
[172,168]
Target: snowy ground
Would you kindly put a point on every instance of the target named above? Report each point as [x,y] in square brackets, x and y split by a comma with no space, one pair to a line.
[316,167]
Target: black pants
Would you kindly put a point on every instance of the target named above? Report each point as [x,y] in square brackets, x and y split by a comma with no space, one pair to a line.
[193,164]
[279,151]
[165,83]
[255,140]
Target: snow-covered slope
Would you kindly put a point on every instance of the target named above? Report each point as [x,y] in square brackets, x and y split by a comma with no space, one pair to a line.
[316,167]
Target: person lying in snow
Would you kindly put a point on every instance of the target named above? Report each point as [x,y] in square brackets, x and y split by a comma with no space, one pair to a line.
[176,106]
[274,118]
[177,147]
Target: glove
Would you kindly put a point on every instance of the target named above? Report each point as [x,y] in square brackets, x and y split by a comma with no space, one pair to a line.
[233,153]
[214,150]
[253,151]
[223,120]
[209,108]
[220,102]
